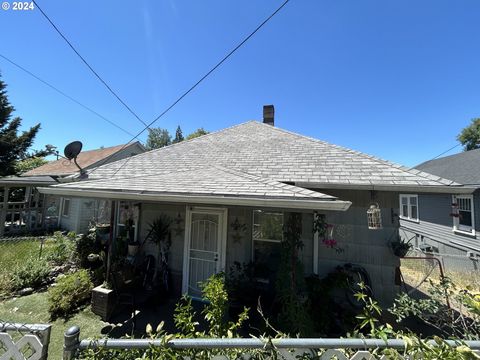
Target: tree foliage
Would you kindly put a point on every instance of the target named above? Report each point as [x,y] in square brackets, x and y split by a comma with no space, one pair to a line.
[470,136]
[158,138]
[14,147]
[199,132]
[29,164]
[178,135]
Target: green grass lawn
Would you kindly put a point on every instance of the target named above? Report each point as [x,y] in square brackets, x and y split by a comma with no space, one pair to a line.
[34,309]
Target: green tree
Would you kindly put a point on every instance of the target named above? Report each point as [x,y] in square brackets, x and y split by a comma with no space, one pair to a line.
[14,146]
[470,136]
[178,135]
[29,164]
[199,132]
[157,138]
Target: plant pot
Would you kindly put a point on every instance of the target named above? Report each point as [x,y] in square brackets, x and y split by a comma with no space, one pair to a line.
[133,249]
[400,251]
[103,302]
[103,233]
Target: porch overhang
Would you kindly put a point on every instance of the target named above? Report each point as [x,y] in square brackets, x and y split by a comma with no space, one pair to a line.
[213,199]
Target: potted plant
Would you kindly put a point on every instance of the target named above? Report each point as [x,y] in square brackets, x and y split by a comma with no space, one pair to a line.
[400,248]
[159,234]
[103,301]
[102,232]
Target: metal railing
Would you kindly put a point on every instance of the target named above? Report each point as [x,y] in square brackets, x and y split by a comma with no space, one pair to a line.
[332,346]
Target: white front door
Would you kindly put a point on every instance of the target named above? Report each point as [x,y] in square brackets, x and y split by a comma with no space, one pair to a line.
[205,243]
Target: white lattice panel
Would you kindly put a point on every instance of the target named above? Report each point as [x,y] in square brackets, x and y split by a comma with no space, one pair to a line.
[14,349]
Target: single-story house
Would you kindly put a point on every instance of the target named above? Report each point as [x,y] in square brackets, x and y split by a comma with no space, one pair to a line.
[23,209]
[229,193]
[446,223]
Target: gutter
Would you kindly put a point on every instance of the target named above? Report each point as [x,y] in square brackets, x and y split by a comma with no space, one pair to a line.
[333,205]
[445,189]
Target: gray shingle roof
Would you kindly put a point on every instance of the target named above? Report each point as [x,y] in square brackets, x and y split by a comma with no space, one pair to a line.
[215,181]
[271,153]
[463,168]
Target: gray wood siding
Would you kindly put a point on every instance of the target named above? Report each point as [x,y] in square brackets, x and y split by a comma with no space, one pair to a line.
[435,225]
[368,248]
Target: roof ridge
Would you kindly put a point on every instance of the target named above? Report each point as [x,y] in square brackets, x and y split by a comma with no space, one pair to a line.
[196,138]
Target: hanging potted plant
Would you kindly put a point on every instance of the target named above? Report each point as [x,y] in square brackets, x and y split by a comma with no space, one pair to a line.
[400,248]
[133,244]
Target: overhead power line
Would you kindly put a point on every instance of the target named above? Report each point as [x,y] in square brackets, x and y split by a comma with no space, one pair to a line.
[65,95]
[89,66]
[446,151]
[208,73]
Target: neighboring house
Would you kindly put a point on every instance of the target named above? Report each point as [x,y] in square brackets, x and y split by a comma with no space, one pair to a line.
[446,223]
[23,209]
[229,193]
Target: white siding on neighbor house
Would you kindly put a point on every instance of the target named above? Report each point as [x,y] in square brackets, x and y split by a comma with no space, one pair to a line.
[81,212]
[435,225]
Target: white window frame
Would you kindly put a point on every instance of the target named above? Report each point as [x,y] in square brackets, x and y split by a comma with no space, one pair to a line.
[457,227]
[409,207]
[64,200]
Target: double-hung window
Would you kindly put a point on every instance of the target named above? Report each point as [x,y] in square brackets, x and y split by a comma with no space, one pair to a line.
[66,207]
[409,207]
[267,236]
[463,219]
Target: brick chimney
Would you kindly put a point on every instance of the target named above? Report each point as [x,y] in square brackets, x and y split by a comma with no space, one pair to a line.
[269,115]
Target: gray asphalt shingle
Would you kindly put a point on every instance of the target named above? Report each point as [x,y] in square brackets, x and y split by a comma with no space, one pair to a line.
[266,151]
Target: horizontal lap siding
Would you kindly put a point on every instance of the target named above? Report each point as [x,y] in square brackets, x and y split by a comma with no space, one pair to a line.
[362,246]
[436,225]
[70,222]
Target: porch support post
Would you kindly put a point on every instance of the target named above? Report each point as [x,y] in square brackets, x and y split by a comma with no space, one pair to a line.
[3,210]
[111,237]
[315,246]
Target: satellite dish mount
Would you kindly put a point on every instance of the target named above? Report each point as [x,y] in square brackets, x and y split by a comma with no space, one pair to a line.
[71,152]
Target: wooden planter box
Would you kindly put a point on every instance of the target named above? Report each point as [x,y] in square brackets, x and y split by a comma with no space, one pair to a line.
[103,302]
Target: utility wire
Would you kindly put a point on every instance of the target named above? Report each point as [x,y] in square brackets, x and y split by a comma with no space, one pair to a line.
[89,66]
[198,83]
[65,95]
[453,147]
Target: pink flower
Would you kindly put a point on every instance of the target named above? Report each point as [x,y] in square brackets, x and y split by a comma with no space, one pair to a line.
[330,242]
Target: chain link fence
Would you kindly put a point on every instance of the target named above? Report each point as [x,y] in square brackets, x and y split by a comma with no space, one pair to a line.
[420,266]
[17,252]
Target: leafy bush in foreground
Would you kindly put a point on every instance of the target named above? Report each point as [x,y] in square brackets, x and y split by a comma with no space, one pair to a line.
[69,292]
[32,273]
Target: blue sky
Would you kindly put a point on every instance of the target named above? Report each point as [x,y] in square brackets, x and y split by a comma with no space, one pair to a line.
[395,79]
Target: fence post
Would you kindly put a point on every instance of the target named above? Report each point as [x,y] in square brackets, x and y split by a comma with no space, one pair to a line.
[71,340]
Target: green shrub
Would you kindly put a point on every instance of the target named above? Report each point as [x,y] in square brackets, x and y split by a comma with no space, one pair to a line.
[69,293]
[86,245]
[62,248]
[31,273]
